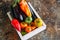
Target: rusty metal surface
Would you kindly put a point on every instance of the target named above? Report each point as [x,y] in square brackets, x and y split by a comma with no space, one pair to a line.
[48,11]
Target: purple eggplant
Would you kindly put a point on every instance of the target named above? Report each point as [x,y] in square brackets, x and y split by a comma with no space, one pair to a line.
[17,13]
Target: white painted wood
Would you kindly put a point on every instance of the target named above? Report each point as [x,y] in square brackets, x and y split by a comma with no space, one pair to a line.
[8,13]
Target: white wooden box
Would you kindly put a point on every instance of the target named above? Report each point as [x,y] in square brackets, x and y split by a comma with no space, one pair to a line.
[34,32]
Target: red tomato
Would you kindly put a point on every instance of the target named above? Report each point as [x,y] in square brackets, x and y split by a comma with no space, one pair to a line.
[16,24]
[28,29]
[23,25]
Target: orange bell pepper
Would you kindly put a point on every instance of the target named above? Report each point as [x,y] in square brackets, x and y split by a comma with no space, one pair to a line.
[25,8]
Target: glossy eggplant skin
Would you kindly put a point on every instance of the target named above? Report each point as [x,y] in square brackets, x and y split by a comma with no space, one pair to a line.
[33,14]
[13,13]
[21,12]
[17,13]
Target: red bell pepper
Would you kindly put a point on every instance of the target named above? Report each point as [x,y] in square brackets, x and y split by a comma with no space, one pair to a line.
[16,24]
